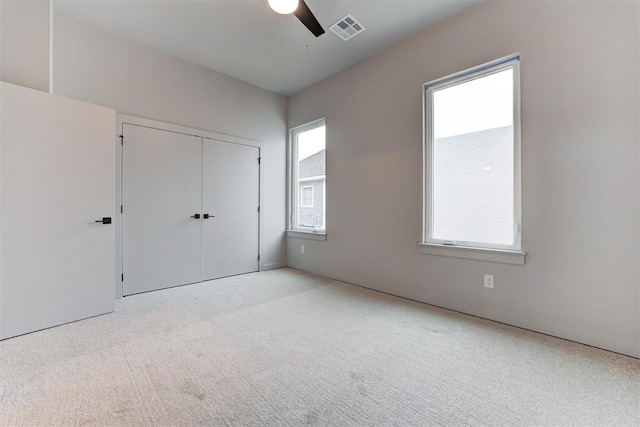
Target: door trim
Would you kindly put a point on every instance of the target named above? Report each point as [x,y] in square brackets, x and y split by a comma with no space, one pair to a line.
[121,120]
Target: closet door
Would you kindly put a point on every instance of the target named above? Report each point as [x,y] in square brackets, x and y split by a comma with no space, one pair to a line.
[231,198]
[57,180]
[162,188]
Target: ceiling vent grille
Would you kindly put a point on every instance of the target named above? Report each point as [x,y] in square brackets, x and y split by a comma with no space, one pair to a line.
[347,27]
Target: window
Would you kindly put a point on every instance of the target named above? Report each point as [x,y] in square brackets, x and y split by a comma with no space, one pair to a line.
[472,158]
[307,185]
[306,198]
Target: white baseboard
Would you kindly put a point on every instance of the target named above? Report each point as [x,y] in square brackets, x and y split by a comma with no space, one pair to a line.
[272,265]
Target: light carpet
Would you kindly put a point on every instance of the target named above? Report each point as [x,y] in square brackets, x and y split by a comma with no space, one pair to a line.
[283,348]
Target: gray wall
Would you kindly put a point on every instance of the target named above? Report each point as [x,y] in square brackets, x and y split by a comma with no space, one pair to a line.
[24,43]
[99,67]
[580,115]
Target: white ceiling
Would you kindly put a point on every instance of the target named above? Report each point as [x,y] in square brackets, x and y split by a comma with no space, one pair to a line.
[245,39]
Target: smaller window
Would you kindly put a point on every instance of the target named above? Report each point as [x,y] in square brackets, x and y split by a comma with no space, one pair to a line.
[307,178]
[306,201]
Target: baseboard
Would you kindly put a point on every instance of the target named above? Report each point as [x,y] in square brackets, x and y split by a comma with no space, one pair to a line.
[272,265]
[547,328]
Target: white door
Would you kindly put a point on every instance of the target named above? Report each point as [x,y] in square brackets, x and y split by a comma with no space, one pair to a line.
[57,178]
[231,198]
[162,192]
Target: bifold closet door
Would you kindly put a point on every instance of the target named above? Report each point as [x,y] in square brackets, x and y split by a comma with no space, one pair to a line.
[161,193]
[57,183]
[231,182]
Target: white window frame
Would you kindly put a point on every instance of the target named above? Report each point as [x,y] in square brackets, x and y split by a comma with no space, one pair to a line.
[302,204]
[293,195]
[512,254]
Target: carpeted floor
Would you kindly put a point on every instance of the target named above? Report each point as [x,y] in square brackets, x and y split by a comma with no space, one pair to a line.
[289,348]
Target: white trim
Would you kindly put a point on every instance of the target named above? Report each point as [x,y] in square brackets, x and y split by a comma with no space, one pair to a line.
[310,125]
[468,252]
[311,235]
[273,266]
[293,182]
[517,157]
[312,178]
[324,204]
[507,62]
[200,133]
[465,74]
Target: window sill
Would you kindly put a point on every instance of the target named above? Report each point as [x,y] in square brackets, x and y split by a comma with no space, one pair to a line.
[481,254]
[307,235]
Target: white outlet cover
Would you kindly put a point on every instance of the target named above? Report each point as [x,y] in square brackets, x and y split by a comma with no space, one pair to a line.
[301,249]
[488,281]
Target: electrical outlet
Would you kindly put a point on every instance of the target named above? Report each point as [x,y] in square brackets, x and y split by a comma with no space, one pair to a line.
[488,281]
[301,249]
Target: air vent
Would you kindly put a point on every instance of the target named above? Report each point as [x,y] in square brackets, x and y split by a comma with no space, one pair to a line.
[347,27]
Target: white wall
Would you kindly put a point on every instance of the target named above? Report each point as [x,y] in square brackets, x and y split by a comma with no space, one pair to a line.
[99,67]
[580,131]
[24,43]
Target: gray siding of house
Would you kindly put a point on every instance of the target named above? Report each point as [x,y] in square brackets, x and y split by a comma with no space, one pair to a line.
[473,192]
[311,171]
[312,217]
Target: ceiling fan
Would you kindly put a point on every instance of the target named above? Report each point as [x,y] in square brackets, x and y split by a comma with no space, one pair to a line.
[300,9]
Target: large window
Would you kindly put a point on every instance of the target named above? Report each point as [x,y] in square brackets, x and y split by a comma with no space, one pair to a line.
[472,158]
[307,186]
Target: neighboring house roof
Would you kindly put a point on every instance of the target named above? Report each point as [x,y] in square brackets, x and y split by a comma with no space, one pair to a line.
[312,166]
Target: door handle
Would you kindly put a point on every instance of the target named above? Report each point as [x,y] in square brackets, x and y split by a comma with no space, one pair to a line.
[105,220]
[205,216]
[196,216]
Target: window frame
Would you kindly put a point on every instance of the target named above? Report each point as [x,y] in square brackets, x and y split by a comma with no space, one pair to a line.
[302,187]
[468,248]
[293,196]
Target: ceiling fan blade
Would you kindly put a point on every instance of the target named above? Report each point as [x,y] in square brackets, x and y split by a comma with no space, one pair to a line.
[304,14]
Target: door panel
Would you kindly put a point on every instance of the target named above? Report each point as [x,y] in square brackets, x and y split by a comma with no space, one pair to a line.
[162,186]
[57,178]
[231,196]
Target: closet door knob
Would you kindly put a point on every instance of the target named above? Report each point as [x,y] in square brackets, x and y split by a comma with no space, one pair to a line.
[205,216]
[105,220]
[196,216]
